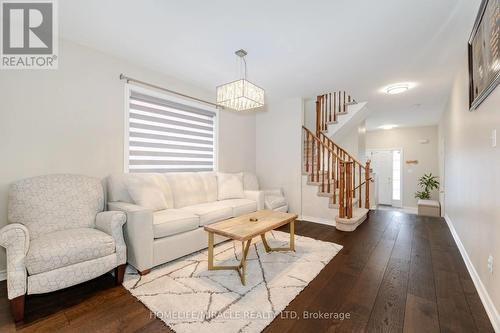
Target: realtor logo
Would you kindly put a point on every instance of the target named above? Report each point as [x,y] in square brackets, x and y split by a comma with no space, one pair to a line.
[29,34]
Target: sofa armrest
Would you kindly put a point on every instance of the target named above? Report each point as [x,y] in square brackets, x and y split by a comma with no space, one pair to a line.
[257,196]
[15,238]
[111,223]
[138,234]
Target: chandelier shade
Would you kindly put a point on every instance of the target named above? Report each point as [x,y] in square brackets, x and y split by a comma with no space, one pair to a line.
[240,95]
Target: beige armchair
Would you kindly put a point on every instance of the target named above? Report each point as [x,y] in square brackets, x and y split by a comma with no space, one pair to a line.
[59,236]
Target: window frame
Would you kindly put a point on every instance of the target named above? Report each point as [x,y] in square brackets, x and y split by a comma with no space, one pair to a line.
[171,97]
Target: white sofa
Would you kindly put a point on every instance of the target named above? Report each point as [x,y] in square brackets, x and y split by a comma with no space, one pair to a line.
[194,199]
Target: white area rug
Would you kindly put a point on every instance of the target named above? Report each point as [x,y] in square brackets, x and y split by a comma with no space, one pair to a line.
[191,299]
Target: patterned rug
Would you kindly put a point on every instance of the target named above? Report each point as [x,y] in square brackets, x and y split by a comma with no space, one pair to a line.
[191,299]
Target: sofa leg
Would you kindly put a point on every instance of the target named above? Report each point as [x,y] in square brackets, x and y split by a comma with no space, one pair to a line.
[119,273]
[144,272]
[17,308]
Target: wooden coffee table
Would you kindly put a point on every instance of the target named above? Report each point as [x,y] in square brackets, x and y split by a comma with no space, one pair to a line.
[243,229]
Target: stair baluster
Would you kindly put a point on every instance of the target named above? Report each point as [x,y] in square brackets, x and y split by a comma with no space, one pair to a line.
[307,151]
[367,185]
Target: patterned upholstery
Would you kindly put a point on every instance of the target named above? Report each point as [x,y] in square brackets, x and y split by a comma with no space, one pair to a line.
[50,203]
[59,234]
[15,238]
[67,247]
[70,275]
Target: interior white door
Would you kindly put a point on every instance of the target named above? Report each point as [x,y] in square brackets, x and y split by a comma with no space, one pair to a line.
[382,166]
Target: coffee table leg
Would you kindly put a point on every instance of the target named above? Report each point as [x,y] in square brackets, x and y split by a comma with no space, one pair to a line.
[291,247]
[241,268]
[264,241]
[210,250]
[243,262]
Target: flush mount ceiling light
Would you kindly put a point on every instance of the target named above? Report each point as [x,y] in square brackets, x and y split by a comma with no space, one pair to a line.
[241,94]
[397,89]
[387,127]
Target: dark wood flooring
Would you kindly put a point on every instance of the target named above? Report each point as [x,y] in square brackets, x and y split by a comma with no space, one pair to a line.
[397,272]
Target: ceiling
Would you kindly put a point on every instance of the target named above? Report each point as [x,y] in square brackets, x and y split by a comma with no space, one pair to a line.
[296,48]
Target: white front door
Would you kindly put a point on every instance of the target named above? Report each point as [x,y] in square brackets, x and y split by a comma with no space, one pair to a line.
[387,165]
[382,166]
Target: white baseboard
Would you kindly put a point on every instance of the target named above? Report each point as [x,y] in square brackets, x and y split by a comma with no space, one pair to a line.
[483,293]
[317,220]
[3,275]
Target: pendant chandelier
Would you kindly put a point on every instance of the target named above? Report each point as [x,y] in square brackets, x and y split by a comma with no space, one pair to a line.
[241,94]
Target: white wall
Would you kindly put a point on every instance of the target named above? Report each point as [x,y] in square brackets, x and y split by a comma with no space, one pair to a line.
[71,120]
[408,138]
[472,180]
[279,135]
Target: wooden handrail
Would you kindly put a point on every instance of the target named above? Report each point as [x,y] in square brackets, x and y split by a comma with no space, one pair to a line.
[332,168]
[322,135]
[322,143]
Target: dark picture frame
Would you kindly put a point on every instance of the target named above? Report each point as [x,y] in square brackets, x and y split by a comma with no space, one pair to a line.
[484,53]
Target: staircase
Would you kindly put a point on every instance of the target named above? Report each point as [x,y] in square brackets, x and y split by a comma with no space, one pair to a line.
[337,174]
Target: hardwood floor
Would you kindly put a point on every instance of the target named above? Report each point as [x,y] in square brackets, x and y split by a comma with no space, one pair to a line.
[396,272]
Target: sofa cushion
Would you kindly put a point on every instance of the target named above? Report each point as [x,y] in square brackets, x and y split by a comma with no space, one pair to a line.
[209,180]
[274,201]
[240,206]
[250,182]
[146,193]
[210,212]
[118,190]
[230,186]
[188,189]
[67,247]
[173,221]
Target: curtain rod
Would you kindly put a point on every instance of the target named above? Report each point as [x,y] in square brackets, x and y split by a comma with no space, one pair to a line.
[129,79]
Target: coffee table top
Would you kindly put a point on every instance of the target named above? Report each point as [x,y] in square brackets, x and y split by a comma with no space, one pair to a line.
[241,228]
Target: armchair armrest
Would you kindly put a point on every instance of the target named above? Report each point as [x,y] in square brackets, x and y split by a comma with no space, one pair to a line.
[111,223]
[138,234]
[15,238]
[256,196]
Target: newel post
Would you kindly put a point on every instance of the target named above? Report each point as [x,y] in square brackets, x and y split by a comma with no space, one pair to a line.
[367,187]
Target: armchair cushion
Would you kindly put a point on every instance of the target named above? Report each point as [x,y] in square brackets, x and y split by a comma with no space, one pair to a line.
[67,247]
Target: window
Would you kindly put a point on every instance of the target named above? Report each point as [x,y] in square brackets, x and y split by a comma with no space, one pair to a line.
[168,135]
[396,175]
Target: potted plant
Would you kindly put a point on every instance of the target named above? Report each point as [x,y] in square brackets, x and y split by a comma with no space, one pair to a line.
[427,183]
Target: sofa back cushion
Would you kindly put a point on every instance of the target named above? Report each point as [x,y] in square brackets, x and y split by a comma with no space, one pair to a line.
[51,203]
[147,193]
[230,186]
[118,186]
[188,188]
[209,180]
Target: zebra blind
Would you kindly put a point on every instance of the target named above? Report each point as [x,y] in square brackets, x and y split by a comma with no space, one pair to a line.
[166,136]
